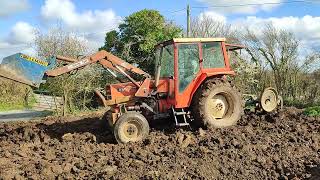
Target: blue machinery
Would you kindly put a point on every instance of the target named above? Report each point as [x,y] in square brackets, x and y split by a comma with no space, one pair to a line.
[25,69]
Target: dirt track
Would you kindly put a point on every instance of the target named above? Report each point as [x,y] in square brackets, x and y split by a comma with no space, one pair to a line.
[278,146]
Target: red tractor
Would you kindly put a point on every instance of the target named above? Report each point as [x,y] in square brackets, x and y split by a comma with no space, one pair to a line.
[190,85]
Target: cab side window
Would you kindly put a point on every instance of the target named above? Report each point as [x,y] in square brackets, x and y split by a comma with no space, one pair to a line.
[167,62]
[212,55]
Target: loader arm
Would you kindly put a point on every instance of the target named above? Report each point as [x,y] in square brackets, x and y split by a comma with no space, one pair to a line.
[106,59]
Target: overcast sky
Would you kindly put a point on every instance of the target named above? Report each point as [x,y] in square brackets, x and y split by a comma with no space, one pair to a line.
[92,19]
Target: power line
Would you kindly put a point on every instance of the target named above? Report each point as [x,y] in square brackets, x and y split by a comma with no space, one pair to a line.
[252,4]
[240,5]
[176,11]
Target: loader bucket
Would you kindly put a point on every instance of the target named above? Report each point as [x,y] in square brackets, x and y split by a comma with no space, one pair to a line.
[25,69]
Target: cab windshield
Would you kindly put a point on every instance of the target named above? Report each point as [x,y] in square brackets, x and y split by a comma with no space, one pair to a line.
[165,60]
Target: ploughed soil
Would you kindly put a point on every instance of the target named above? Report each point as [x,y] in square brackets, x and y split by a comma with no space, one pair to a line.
[284,145]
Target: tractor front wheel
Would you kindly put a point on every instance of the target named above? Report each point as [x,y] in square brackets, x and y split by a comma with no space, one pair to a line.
[131,127]
[217,104]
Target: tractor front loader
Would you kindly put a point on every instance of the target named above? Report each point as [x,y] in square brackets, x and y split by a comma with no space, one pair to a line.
[191,85]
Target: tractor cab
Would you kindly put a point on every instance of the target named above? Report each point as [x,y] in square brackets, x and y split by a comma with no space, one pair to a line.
[187,62]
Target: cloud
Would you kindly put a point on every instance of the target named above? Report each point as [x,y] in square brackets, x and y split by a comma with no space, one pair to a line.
[306,28]
[19,39]
[91,24]
[215,16]
[8,7]
[241,6]
[21,33]
[65,11]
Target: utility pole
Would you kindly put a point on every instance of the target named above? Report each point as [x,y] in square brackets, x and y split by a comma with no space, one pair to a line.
[188,20]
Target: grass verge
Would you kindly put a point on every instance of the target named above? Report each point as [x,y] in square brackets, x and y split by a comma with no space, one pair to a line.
[312,111]
[8,107]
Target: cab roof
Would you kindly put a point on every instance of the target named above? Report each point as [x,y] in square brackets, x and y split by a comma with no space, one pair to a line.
[186,40]
[190,40]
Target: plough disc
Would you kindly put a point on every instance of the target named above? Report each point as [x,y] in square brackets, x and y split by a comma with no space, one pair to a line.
[270,100]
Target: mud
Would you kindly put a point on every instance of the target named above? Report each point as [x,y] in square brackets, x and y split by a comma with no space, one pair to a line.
[285,145]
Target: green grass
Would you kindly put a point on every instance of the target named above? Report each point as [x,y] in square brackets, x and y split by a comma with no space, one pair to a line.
[8,107]
[312,111]
[5,106]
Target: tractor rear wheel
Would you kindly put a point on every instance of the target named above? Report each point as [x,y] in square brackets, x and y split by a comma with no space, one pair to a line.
[217,103]
[131,127]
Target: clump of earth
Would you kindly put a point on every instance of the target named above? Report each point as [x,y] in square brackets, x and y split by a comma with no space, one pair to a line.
[283,145]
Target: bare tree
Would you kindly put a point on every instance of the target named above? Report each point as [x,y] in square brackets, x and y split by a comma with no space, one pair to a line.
[75,87]
[277,51]
[278,48]
[206,26]
[59,42]
[247,72]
